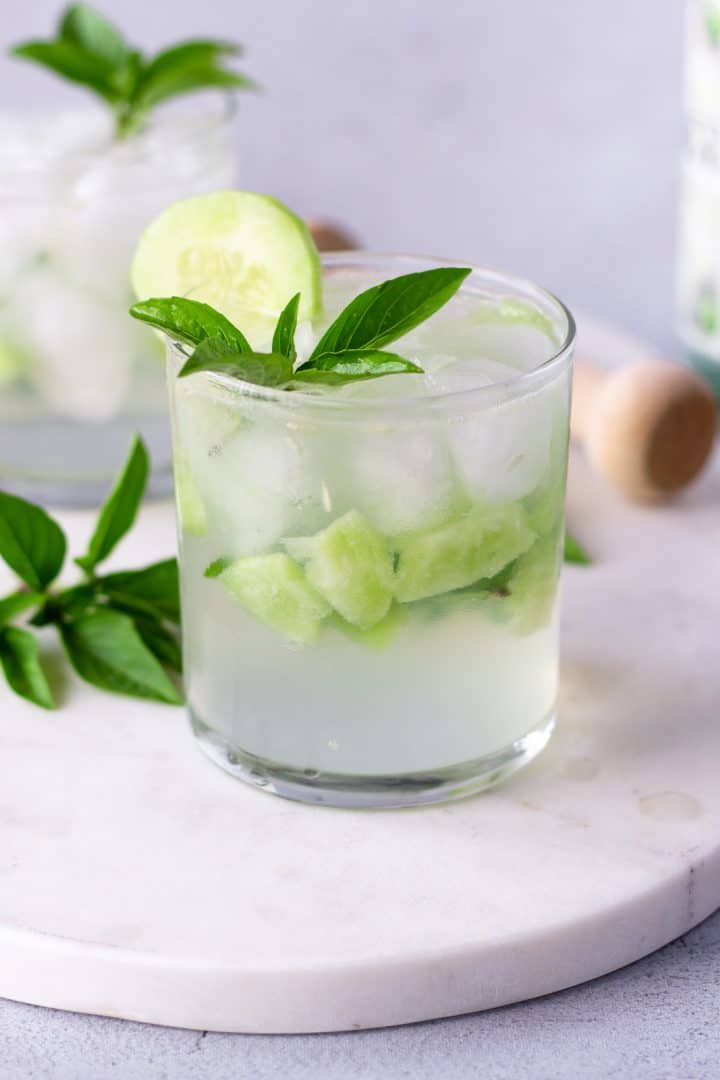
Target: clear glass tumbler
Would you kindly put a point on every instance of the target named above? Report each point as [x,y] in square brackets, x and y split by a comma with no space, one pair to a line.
[77,376]
[369,574]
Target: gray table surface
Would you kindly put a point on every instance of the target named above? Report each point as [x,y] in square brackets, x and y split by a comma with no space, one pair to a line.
[543,138]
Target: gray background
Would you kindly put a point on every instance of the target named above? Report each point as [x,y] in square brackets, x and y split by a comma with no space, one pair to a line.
[542,138]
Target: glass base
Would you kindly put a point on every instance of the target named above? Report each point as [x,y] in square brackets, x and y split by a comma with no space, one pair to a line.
[373,792]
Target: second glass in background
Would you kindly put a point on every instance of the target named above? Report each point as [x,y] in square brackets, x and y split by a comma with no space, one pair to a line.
[77,376]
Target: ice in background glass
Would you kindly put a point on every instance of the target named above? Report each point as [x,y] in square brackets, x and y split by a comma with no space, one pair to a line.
[77,377]
[429,508]
[699,232]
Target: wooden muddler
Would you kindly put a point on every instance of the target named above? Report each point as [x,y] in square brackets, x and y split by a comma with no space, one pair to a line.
[648,428]
[331,235]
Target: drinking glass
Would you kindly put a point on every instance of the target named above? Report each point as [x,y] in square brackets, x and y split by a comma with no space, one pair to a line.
[77,376]
[369,574]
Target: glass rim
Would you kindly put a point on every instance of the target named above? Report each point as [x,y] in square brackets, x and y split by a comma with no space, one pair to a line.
[522,383]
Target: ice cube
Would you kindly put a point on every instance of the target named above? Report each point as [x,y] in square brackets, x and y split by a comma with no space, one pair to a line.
[502,451]
[402,385]
[458,375]
[255,484]
[83,348]
[508,331]
[400,476]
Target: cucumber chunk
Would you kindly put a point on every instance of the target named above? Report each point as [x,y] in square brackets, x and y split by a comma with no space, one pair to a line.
[461,552]
[533,586]
[351,565]
[275,590]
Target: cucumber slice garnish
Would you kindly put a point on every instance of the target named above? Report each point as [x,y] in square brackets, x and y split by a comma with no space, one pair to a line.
[244,254]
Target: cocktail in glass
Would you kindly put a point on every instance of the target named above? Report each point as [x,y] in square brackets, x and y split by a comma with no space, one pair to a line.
[369,572]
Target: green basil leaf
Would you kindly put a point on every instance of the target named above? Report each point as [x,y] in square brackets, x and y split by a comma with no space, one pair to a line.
[387,311]
[154,589]
[283,341]
[17,604]
[574,553]
[107,651]
[89,30]
[31,543]
[20,659]
[73,63]
[120,509]
[189,321]
[354,364]
[161,642]
[262,369]
[200,53]
[185,79]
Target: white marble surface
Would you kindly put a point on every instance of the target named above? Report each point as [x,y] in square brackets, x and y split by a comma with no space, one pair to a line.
[139,881]
[546,140]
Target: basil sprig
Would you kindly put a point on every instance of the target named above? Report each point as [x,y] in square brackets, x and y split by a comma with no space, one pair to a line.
[88,49]
[120,631]
[349,350]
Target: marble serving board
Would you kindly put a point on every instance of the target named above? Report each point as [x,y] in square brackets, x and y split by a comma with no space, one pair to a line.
[138,880]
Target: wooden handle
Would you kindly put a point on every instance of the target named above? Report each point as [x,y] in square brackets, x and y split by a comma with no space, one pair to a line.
[331,235]
[649,428]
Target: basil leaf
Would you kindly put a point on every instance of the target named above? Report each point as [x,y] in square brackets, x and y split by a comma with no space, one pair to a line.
[107,651]
[17,604]
[183,80]
[195,51]
[154,589]
[283,341]
[189,321]
[73,63]
[338,368]
[262,369]
[120,509]
[20,659]
[89,30]
[31,543]
[387,311]
[196,55]
[161,642]
[189,65]
[574,553]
